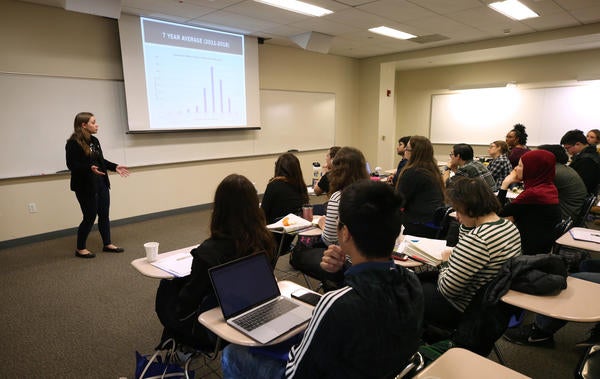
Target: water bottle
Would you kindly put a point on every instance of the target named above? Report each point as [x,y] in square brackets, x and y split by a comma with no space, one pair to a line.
[316,173]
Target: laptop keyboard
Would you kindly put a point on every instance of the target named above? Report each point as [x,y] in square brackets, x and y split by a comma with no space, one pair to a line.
[264,314]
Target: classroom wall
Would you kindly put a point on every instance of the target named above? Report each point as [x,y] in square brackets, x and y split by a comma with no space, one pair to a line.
[415,87]
[46,40]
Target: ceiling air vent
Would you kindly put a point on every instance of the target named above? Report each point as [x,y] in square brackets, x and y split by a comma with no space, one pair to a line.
[429,38]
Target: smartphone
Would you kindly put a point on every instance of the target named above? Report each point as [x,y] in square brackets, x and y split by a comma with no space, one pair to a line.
[306,296]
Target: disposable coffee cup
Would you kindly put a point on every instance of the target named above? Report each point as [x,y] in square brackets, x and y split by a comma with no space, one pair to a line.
[151,251]
[307,212]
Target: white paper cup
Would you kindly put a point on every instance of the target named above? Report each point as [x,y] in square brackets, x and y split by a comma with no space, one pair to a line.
[151,251]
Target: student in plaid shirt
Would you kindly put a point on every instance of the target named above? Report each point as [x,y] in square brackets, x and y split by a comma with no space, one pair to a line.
[500,166]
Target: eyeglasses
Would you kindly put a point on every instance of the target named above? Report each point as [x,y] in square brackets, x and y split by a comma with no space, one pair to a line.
[407,149]
[451,155]
[567,147]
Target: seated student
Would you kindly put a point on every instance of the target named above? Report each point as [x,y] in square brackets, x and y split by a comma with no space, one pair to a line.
[485,242]
[347,167]
[420,185]
[286,191]
[571,189]
[322,186]
[535,211]
[499,166]
[462,163]
[367,329]
[401,151]
[516,140]
[541,332]
[593,138]
[237,229]
[584,158]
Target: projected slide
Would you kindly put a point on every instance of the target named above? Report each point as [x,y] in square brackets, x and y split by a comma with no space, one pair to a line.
[194,77]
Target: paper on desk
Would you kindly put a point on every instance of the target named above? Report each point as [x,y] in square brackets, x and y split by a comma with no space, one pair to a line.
[426,250]
[179,264]
[290,223]
[583,234]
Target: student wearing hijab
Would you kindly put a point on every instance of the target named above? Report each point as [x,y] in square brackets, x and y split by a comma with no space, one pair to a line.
[535,211]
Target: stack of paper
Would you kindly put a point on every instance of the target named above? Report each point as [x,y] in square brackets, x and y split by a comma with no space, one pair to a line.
[426,250]
[584,234]
[179,264]
[290,223]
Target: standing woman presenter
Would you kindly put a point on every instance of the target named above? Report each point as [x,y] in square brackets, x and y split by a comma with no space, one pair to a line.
[89,181]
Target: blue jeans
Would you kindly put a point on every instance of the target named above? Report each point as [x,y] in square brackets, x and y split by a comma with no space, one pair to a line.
[551,325]
[238,362]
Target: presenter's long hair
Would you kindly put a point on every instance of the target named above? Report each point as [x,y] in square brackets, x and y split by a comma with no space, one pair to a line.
[236,215]
[348,166]
[422,159]
[287,169]
[81,135]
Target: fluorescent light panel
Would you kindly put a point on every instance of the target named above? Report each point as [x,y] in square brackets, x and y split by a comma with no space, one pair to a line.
[297,6]
[389,32]
[513,9]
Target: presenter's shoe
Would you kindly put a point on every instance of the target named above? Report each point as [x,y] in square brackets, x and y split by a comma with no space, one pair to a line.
[88,255]
[529,334]
[115,249]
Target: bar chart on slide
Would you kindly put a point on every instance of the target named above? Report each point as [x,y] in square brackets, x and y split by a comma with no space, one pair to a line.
[194,77]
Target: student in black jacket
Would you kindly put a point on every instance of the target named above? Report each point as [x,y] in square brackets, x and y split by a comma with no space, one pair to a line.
[89,181]
[370,327]
[584,158]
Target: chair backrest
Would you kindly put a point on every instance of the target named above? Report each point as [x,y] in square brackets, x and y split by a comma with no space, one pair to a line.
[441,221]
[560,229]
[585,210]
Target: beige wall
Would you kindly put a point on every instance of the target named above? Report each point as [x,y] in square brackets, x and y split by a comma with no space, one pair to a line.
[416,87]
[51,41]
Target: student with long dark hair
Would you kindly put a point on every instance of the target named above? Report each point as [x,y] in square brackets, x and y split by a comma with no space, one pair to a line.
[286,191]
[89,181]
[237,229]
[420,184]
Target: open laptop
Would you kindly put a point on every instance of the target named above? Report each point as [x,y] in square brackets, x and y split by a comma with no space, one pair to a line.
[250,299]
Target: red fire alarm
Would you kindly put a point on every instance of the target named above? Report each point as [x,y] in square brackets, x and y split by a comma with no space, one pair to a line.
[388,92]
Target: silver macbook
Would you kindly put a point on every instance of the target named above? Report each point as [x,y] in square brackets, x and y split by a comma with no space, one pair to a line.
[250,299]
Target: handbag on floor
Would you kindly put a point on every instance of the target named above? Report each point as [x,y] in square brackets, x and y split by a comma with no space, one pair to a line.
[160,365]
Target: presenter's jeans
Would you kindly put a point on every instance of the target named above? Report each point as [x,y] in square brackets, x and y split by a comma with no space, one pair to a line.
[92,205]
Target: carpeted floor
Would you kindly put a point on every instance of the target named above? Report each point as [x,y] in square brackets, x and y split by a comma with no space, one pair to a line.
[65,317]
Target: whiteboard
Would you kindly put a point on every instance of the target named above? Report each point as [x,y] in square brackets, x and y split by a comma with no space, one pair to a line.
[38,111]
[479,117]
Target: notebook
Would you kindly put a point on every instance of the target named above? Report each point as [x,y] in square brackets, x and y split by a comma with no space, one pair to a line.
[247,291]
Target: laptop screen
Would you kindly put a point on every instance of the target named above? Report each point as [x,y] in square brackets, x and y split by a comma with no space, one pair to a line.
[243,284]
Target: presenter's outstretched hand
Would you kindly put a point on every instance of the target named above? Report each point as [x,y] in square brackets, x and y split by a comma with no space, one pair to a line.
[333,259]
[123,171]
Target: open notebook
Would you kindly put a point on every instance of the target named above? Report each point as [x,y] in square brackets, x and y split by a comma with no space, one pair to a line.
[178,264]
[426,250]
[290,223]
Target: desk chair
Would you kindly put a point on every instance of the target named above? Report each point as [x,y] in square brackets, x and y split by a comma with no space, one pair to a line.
[415,364]
[581,217]
[560,229]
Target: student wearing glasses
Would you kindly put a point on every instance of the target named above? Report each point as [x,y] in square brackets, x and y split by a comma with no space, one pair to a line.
[463,165]
[500,166]
[584,158]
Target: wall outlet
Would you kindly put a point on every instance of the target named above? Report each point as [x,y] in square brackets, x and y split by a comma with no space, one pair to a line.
[32,208]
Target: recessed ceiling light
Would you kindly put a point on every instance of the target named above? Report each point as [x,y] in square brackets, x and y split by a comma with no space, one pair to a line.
[297,6]
[384,30]
[513,9]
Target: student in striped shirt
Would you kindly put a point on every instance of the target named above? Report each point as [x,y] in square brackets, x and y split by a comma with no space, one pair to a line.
[485,242]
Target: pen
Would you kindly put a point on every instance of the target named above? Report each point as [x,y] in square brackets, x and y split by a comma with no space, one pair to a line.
[186,257]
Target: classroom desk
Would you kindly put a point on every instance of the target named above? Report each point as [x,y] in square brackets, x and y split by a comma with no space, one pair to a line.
[147,269]
[567,240]
[214,321]
[458,363]
[578,302]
